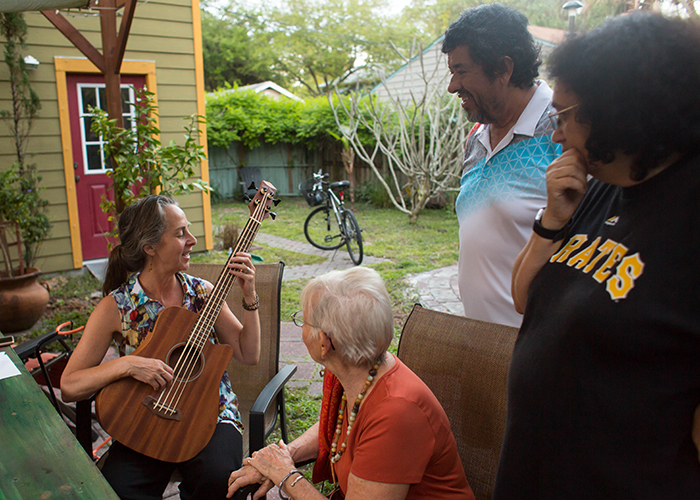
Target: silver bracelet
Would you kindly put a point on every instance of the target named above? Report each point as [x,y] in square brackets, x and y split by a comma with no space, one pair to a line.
[296,480]
[289,474]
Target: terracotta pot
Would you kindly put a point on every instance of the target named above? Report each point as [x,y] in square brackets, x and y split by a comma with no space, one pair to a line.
[22,301]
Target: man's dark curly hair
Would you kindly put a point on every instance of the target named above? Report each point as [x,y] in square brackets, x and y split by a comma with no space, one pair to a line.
[637,78]
[492,32]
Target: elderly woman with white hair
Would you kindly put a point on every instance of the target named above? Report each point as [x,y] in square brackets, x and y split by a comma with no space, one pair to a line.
[382,433]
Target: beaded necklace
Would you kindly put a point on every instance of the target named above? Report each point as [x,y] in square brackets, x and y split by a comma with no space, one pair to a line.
[335,453]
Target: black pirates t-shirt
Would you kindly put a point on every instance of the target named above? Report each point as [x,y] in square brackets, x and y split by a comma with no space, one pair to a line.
[605,374]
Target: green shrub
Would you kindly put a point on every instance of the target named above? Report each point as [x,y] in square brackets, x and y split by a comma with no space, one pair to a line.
[251,118]
[376,196]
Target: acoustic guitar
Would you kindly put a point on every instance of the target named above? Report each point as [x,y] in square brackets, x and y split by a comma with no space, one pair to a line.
[176,423]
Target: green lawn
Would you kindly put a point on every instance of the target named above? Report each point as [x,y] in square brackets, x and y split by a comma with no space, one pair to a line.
[430,243]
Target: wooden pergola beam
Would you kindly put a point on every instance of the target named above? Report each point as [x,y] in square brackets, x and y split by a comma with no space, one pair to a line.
[124,29]
[75,37]
[113,49]
[108,28]
[113,46]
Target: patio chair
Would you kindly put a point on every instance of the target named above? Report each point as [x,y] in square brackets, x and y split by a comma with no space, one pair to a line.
[259,387]
[465,363]
[250,176]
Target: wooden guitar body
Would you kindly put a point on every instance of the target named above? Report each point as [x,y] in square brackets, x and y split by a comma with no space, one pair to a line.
[129,409]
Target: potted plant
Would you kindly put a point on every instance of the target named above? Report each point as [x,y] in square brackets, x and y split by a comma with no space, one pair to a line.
[23,223]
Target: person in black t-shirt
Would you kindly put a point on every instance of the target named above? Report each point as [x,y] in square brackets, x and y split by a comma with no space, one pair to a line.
[605,374]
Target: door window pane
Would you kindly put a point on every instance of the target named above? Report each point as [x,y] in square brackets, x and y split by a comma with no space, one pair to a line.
[126,100]
[94,158]
[89,97]
[93,145]
[103,97]
[89,134]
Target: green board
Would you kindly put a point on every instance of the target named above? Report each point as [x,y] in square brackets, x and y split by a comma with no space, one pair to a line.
[39,456]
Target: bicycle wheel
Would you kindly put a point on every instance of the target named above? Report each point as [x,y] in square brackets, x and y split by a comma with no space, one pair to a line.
[321,229]
[353,237]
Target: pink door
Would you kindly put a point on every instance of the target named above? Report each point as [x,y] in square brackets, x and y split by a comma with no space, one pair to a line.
[91,180]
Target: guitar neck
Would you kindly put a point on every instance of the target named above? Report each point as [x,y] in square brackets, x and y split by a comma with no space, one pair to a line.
[225,281]
[222,287]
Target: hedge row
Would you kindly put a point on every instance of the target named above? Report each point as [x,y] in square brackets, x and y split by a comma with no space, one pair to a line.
[248,117]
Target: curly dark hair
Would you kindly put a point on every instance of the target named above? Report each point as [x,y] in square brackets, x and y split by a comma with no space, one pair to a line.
[492,32]
[638,81]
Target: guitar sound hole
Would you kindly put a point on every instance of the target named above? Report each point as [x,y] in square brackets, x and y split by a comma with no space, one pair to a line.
[186,361]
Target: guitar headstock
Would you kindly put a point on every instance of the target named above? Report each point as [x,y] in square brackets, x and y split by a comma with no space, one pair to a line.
[262,201]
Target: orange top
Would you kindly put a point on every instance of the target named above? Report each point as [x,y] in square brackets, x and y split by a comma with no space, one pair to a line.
[402,436]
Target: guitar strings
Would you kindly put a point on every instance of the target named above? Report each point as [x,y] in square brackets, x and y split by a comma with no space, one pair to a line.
[203,326]
[209,314]
[206,322]
[187,362]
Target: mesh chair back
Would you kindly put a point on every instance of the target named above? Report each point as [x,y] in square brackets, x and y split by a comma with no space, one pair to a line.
[249,381]
[465,364]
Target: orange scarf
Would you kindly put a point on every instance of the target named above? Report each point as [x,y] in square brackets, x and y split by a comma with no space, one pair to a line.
[332,395]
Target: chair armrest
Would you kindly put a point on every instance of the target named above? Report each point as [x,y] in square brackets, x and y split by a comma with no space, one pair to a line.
[33,347]
[28,349]
[266,397]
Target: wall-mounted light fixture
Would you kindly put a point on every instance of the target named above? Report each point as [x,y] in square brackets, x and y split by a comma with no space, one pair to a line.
[31,62]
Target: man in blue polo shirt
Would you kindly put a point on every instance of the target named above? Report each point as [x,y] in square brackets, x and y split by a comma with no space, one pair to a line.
[494,63]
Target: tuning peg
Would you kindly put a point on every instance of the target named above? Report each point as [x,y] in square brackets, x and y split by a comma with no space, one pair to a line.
[273,215]
[246,197]
[252,186]
[276,201]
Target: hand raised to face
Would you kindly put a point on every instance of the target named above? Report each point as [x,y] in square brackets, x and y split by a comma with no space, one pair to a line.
[566,184]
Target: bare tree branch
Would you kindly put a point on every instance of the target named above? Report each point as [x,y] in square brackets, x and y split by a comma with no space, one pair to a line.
[420,136]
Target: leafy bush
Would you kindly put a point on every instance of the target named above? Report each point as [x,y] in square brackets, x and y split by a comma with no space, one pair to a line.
[20,201]
[376,196]
[248,117]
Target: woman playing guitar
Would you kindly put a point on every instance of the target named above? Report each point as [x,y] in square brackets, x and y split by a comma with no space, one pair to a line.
[145,274]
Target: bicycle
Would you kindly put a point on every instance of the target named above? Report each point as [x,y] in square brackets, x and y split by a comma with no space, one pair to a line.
[330,225]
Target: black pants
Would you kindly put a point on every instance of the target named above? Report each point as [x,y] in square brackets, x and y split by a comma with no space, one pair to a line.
[205,477]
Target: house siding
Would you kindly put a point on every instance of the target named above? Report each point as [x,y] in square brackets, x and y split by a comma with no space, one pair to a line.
[406,81]
[162,33]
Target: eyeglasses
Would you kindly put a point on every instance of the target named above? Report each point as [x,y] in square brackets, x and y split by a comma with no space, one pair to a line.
[555,118]
[298,320]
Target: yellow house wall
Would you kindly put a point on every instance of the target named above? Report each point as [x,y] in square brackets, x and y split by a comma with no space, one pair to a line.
[165,46]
